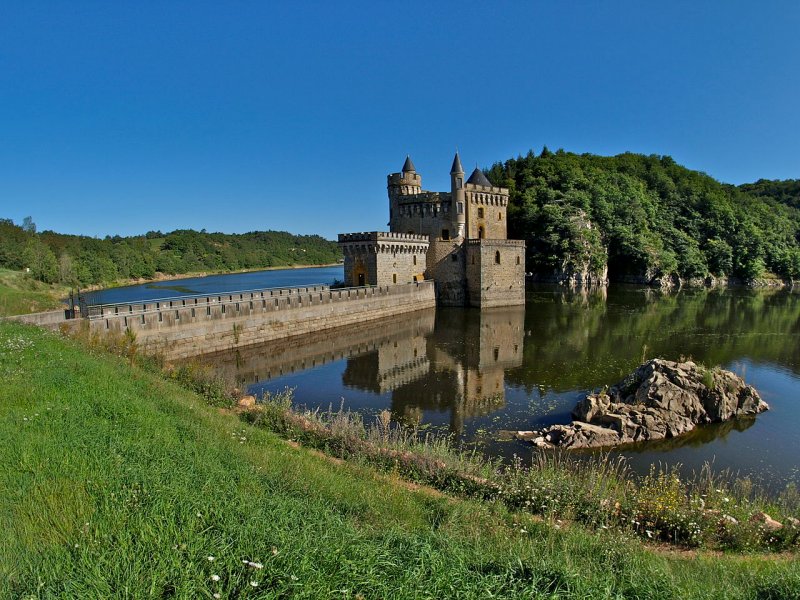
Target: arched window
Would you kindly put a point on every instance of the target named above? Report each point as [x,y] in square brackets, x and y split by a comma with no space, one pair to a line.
[517,259]
[415,260]
[394,277]
[481,232]
[497,257]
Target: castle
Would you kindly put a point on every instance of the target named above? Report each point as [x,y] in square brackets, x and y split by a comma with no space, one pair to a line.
[456,238]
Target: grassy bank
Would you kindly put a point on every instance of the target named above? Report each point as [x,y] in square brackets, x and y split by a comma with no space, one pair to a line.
[20,294]
[117,482]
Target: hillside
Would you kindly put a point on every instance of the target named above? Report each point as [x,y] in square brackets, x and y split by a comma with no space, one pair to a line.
[787,192]
[81,260]
[645,218]
[204,505]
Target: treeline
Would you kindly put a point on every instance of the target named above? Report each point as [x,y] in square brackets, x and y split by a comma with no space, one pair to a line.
[646,217]
[80,260]
[786,192]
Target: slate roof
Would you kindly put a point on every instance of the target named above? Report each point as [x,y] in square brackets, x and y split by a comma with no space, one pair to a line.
[456,168]
[478,178]
[408,165]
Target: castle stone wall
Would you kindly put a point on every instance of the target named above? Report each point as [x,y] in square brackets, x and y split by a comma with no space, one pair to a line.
[427,213]
[446,267]
[384,258]
[487,208]
[490,283]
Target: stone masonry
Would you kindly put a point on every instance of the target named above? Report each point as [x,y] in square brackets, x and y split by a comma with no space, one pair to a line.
[458,239]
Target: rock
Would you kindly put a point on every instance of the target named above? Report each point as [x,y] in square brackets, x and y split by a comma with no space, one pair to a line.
[246,402]
[661,399]
[768,522]
[728,520]
[793,523]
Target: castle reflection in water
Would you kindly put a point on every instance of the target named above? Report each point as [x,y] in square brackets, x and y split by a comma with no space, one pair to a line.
[448,361]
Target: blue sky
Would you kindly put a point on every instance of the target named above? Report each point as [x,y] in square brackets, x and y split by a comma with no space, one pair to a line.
[122,117]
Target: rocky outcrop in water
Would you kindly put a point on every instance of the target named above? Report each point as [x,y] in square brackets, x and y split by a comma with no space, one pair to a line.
[661,399]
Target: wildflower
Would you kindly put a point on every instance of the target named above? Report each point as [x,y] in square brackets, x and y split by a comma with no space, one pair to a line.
[274,551]
[199,514]
[649,533]
[217,595]
[255,565]
[254,583]
[210,559]
[294,578]
[215,578]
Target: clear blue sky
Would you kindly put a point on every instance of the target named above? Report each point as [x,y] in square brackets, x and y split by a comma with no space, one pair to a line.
[121,117]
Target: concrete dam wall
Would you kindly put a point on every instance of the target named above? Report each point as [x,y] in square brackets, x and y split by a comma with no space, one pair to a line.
[191,326]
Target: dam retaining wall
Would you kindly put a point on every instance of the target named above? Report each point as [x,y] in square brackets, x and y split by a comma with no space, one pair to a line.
[190,326]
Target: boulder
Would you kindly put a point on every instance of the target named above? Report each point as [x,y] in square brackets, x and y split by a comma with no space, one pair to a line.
[246,402]
[660,399]
[767,522]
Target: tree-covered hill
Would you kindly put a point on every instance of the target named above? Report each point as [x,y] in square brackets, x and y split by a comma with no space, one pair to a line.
[646,217]
[787,192]
[81,260]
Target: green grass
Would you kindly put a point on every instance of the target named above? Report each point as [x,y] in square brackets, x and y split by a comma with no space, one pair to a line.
[118,483]
[20,294]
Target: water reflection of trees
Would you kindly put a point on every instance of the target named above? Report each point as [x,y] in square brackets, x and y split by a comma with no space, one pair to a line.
[590,338]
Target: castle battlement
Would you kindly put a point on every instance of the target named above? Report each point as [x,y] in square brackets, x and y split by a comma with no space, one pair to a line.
[380,236]
[456,238]
[509,243]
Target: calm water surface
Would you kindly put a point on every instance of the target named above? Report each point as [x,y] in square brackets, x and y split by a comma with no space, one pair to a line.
[232,282]
[474,372]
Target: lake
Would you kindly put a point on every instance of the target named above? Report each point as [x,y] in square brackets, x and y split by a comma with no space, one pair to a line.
[231,282]
[472,373]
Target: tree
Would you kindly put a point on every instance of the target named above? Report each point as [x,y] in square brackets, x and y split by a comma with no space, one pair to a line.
[28,226]
[41,261]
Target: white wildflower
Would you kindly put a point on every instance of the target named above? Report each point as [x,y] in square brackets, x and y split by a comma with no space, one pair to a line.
[215,578]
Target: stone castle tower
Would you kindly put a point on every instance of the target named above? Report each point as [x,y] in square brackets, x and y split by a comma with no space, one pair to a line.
[456,238]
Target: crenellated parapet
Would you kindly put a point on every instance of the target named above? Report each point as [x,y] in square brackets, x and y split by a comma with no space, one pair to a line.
[379,236]
[375,242]
[501,243]
[489,196]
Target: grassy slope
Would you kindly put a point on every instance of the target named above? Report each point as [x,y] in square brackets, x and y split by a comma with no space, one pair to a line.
[19,294]
[118,483]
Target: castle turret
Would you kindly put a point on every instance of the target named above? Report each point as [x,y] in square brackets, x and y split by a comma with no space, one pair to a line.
[405,183]
[458,206]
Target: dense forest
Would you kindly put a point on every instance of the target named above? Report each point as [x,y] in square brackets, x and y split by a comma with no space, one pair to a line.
[646,217]
[80,260]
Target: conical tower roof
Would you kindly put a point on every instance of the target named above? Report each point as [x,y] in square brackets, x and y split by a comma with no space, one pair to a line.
[408,166]
[478,178]
[456,168]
